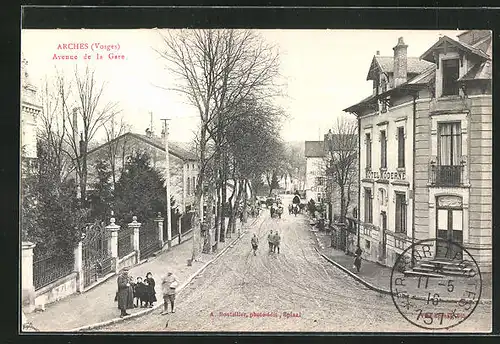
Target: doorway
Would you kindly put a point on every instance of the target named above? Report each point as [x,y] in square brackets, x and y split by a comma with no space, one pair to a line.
[383,222]
[449,227]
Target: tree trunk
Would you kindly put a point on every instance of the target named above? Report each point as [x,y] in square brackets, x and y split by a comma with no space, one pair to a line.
[342,204]
[198,215]
[223,218]
[245,203]
[207,243]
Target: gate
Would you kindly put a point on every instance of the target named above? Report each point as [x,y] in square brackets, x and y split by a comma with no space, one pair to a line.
[96,253]
[149,242]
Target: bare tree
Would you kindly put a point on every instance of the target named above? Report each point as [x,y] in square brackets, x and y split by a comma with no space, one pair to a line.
[91,112]
[114,129]
[217,70]
[51,126]
[341,160]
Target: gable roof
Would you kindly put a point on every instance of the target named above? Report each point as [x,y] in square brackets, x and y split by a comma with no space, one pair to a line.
[474,50]
[314,149]
[173,148]
[385,64]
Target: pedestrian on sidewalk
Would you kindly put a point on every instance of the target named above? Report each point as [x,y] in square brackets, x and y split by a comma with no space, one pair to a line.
[270,241]
[255,244]
[140,293]
[357,258]
[169,284]
[150,289]
[123,292]
[276,242]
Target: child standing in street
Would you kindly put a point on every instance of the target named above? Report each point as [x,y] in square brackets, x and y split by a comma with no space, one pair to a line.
[150,289]
[169,284]
[255,244]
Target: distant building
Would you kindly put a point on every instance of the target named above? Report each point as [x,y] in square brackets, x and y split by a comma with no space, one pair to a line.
[426,149]
[315,171]
[183,163]
[30,110]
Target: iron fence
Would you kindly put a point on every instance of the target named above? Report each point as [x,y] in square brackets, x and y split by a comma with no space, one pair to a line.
[187,221]
[96,253]
[49,269]
[125,241]
[149,242]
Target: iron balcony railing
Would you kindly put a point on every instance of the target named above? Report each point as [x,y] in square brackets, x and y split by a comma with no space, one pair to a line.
[442,175]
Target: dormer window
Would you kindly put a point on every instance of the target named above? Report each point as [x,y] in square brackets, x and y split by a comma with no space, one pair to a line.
[383,89]
[450,77]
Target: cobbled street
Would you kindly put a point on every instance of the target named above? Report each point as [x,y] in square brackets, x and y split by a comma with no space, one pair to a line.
[297,290]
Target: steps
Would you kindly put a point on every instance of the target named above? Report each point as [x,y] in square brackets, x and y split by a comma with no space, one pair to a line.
[438,269]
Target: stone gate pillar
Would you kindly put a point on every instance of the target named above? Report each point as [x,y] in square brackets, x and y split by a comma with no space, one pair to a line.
[27,285]
[79,266]
[113,242]
[159,224]
[137,227]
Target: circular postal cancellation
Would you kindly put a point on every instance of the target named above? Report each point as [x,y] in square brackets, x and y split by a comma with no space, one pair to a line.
[436,284]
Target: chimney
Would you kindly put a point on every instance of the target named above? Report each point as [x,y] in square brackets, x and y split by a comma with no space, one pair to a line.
[400,62]
[378,52]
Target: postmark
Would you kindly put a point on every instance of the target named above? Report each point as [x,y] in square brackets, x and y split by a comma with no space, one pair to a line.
[436,284]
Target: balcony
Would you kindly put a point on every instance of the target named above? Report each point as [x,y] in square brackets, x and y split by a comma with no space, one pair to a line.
[441,175]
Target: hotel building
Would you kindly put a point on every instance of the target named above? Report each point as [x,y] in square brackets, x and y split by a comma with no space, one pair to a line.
[426,150]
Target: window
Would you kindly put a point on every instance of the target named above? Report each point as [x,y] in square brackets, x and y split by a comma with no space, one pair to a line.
[450,77]
[320,181]
[384,100]
[400,213]
[450,143]
[193,188]
[368,152]
[383,149]
[368,205]
[188,187]
[401,147]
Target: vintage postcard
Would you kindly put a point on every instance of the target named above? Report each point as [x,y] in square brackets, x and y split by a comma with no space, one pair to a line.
[230,180]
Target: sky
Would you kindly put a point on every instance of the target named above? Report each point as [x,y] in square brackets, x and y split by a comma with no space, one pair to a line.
[324,71]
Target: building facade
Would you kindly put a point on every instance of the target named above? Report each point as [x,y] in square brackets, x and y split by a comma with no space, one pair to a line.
[315,183]
[425,150]
[30,110]
[183,164]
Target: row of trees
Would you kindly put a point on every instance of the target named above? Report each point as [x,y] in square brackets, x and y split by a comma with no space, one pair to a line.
[229,76]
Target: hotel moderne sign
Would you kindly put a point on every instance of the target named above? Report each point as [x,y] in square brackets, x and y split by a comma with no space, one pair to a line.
[388,175]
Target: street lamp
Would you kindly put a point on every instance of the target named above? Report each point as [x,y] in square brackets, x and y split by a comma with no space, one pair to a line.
[167,185]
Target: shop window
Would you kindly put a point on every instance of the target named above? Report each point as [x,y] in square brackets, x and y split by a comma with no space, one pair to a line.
[400,225]
[368,206]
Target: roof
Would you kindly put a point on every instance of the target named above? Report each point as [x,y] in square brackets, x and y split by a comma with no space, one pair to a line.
[174,148]
[428,55]
[385,64]
[480,71]
[367,100]
[314,149]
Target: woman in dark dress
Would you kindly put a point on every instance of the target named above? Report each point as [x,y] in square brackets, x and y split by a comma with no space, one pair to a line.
[357,259]
[150,289]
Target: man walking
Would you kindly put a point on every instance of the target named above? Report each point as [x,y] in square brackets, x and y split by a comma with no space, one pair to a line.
[122,294]
[255,244]
[277,241]
[270,238]
[168,285]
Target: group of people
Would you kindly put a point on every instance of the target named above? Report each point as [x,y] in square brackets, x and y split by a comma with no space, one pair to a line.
[141,292]
[274,240]
[276,209]
[132,294]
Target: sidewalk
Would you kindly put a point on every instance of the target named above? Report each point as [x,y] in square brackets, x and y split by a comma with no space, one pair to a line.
[376,276]
[98,305]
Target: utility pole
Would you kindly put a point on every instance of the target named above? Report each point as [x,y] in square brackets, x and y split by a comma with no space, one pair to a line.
[167,186]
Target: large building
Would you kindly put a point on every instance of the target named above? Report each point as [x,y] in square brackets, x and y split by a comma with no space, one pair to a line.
[426,150]
[30,110]
[183,163]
